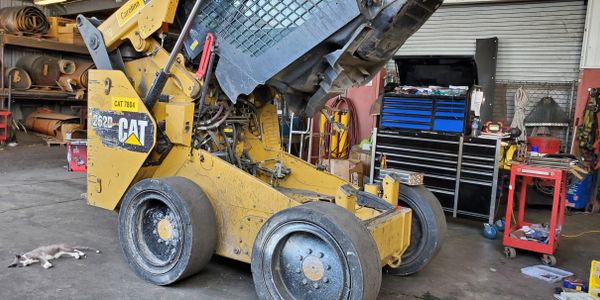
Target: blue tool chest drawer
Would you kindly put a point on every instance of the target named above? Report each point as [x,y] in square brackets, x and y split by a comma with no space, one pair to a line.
[437,113]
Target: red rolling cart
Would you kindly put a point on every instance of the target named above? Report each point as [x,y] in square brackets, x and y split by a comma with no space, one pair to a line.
[528,173]
[4,125]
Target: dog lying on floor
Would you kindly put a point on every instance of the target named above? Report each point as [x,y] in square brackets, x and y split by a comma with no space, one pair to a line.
[44,254]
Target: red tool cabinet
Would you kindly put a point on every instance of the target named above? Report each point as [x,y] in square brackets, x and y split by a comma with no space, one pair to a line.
[4,125]
[528,173]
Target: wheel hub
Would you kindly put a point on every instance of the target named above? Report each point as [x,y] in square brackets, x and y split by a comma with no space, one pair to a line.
[157,229]
[313,268]
[305,261]
[165,229]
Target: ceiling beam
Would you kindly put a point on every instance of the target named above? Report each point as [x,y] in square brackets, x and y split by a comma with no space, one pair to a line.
[85,7]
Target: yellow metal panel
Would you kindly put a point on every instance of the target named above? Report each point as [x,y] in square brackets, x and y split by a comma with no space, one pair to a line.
[372,189]
[391,188]
[346,201]
[594,289]
[118,141]
[128,11]
[136,21]
[391,233]
[170,17]
[241,201]
[181,85]
[179,119]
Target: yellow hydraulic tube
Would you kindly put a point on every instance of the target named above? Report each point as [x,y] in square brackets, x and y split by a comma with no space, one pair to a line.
[342,149]
[335,136]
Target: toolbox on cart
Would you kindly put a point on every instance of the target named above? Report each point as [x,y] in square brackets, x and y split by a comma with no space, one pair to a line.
[77,151]
[440,113]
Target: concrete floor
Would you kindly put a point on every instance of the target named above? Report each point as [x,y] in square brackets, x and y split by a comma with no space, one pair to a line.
[41,204]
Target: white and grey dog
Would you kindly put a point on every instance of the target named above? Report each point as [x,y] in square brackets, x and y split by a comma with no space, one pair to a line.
[44,254]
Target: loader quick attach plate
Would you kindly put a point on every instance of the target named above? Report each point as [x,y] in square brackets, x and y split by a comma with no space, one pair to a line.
[132,131]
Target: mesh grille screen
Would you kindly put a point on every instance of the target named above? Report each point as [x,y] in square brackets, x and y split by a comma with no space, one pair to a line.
[255,26]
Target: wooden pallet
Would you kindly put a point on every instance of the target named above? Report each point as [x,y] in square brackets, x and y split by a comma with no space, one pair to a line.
[54,142]
[51,141]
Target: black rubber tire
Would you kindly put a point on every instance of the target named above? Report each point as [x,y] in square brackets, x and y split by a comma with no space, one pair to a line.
[359,272]
[428,229]
[194,229]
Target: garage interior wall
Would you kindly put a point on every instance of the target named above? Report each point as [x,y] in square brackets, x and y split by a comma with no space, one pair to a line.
[539,45]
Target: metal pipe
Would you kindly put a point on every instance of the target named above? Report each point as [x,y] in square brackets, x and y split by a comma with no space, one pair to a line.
[215,125]
[570,121]
[302,134]
[291,132]
[184,33]
[9,90]
[215,116]
[310,140]
[207,78]
[300,152]
[373,145]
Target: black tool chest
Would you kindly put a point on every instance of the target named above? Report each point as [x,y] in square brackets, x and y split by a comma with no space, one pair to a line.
[461,171]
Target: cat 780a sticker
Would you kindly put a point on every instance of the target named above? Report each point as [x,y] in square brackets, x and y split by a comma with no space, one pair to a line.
[128,130]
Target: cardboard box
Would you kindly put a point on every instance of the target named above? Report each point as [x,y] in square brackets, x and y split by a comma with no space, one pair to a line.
[64,129]
[64,30]
[347,169]
[356,153]
[57,24]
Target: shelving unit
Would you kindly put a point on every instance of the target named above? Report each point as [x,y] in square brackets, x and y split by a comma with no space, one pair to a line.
[40,43]
[35,42]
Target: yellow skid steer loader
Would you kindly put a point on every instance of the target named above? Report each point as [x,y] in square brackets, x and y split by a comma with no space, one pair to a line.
[193,162]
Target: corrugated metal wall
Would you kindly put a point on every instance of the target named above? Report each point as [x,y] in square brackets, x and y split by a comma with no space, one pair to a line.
[538,41]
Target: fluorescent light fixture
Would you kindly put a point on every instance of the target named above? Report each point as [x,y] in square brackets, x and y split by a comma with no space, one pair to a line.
[46,2]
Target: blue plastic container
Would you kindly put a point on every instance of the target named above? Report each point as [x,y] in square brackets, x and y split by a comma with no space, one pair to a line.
[578,194]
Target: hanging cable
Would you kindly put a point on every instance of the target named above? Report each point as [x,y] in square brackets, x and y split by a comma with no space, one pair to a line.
[580,234]
[521,101]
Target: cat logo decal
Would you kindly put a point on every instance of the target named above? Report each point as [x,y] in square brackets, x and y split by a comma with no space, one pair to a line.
[122,129]
[132,132]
